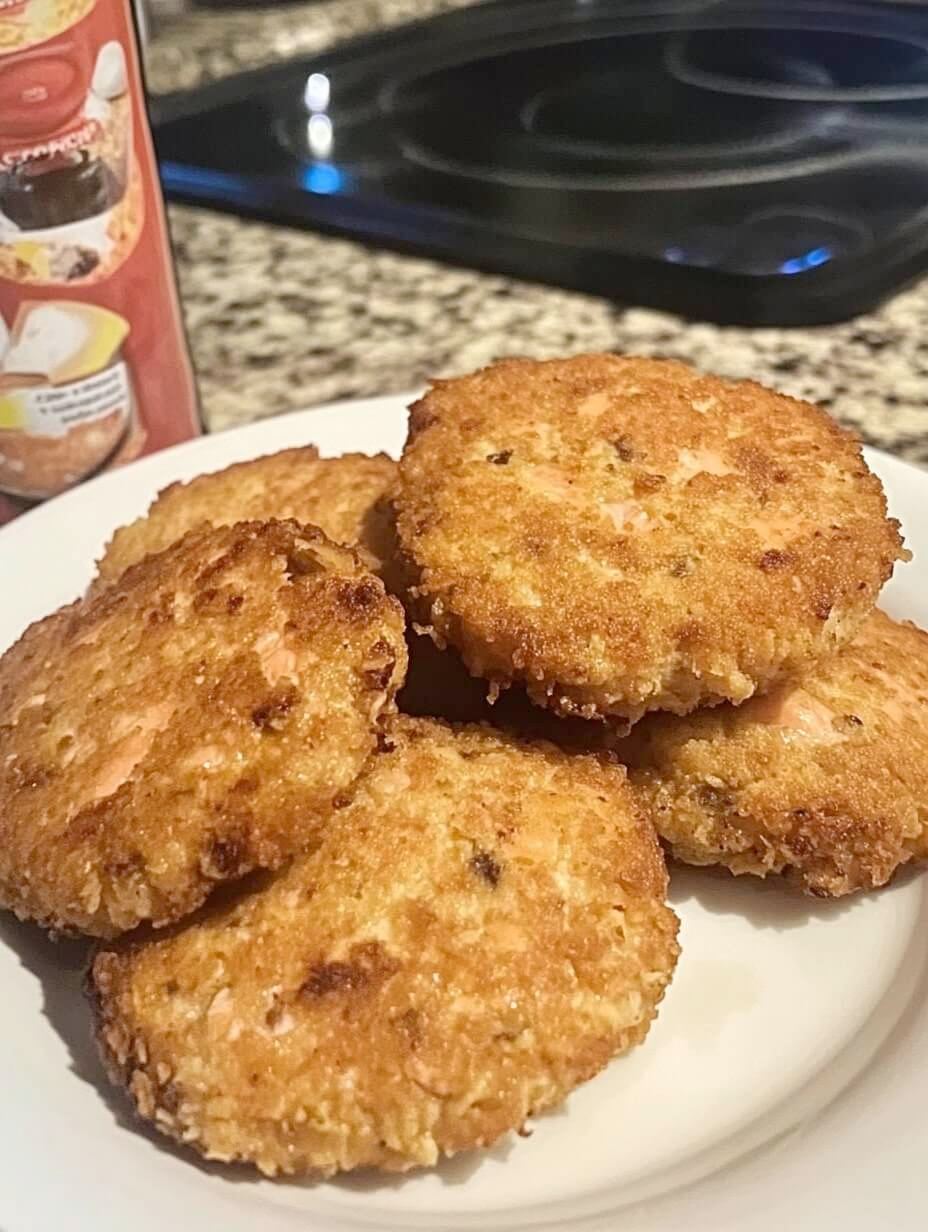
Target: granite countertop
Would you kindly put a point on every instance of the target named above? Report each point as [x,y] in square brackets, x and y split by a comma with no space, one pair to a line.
[281,319]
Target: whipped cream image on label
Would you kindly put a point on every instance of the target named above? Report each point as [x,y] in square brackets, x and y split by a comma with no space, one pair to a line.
[59,340]
[49,338]
[109,74]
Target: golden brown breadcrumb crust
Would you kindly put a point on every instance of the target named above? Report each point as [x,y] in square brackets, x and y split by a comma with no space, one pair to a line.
[481,929]
[824,780]
[625,535]
[347,497]
[188,724]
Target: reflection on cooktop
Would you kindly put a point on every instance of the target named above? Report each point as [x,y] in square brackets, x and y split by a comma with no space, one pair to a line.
[737,161]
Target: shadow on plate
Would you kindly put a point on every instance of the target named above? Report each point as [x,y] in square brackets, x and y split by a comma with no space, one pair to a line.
[764,903]
[60,968]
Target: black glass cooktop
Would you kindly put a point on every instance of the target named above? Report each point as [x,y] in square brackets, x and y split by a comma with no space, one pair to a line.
[752,162]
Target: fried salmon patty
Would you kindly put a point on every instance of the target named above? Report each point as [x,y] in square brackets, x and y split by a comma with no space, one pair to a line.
[823,780]
[626,535]
[188,724]
[479,930]
[347,497]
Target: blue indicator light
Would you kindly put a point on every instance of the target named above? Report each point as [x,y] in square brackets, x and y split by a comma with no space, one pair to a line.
[323,178]
[808,260]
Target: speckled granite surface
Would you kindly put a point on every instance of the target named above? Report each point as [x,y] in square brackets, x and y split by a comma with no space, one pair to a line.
[282,319]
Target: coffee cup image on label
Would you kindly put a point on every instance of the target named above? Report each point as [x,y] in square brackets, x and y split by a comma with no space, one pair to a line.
[23,23]
[65,162]
[66,396]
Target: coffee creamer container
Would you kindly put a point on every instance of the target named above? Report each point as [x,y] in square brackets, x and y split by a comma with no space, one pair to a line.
[94,369]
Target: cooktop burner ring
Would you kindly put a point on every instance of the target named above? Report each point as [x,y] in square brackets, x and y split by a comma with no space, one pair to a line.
[811,164]
[666,152]
[551,127]
[684,70]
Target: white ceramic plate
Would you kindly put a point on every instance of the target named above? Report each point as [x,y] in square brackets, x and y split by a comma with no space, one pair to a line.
[784,1084]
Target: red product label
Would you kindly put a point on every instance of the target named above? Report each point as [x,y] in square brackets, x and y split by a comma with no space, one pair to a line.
[94,368]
